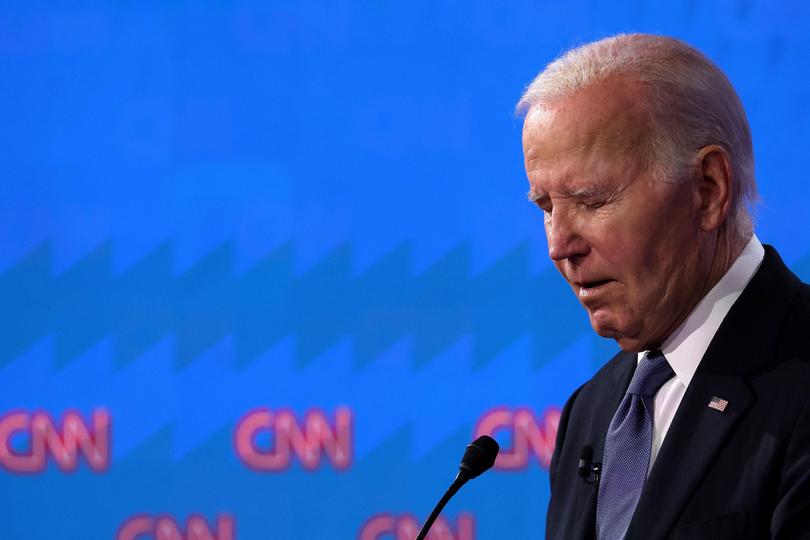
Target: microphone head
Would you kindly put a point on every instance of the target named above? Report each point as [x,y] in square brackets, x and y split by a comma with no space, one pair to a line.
[585,457]
[479,456]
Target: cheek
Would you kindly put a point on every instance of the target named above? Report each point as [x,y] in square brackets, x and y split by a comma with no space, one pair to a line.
[652,283]
[623,255]
[637,271]
[637,251]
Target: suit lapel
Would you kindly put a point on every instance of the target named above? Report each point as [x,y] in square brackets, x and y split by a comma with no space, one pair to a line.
[696,434]
[743,345]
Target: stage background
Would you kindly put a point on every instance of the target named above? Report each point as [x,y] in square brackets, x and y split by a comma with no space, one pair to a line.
[221,213]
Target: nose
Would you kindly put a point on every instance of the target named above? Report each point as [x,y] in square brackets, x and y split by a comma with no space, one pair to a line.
[565,240]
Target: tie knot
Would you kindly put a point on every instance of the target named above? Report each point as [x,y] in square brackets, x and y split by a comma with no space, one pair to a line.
[652,372]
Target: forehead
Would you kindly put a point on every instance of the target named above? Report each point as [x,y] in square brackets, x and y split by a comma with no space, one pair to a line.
[598,125]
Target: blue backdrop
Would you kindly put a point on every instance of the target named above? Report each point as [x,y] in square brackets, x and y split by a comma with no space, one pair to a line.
[267,267]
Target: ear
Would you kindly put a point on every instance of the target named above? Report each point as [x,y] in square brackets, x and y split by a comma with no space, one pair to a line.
[715,186]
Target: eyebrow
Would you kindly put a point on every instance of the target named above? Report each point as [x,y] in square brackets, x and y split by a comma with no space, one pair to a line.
[582,193]
[534,196]
[594,191]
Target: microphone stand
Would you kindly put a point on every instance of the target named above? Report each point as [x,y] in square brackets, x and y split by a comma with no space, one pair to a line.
[460,480]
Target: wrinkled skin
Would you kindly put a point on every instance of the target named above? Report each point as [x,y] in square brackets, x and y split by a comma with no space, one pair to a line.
[638,253]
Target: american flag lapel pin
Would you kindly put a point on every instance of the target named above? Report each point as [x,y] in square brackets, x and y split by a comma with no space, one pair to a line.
[718,404]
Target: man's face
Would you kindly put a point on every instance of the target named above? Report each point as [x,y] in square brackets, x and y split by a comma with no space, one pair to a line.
[627,245]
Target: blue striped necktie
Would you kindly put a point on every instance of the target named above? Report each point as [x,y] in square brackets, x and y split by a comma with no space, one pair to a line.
[627,448]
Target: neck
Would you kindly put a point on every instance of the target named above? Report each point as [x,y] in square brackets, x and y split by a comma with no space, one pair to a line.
[728,245]
[720,252]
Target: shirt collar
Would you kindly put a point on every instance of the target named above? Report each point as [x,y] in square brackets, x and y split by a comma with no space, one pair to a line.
[685,347]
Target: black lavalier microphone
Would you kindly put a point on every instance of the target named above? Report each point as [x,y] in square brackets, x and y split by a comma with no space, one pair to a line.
[479,456]
[586,467]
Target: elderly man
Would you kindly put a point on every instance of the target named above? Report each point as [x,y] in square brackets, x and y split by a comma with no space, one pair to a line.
[639,155]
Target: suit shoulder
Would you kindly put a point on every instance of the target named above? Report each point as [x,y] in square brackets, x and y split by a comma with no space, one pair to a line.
[793,338]
[802,298]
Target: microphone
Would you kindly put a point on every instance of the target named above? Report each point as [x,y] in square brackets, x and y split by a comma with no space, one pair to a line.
[585,458]
[586,467]
[478,458]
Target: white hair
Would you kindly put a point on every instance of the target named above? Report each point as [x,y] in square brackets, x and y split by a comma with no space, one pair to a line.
[690,102]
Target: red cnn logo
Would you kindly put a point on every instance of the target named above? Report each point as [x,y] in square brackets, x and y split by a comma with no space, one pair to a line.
[406,527]
[63,443]
[143,527]
[529,435]
[309,440]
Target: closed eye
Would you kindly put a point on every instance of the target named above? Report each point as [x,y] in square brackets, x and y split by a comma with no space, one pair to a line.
[593,205]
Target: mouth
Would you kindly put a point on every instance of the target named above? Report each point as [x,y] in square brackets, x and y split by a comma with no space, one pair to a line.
[590,288]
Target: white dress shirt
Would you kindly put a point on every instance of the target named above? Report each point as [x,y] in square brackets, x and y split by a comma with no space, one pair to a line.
[686,346]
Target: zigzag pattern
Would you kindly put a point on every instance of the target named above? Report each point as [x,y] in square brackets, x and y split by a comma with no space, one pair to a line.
[269,302]
[206,383]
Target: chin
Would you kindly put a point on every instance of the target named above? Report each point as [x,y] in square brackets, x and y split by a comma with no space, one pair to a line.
[604,325]
[606,332]
[629,344]
[626,343]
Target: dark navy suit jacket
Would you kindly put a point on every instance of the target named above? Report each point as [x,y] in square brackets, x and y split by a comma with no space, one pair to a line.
[740,473]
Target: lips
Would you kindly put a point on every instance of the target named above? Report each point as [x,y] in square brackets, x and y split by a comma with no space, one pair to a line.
[591,283]
[591,287]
